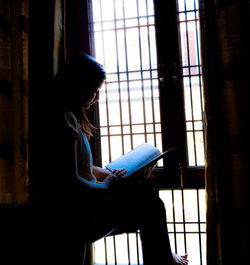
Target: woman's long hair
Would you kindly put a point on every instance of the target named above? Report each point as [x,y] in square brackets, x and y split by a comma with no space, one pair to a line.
[74,84]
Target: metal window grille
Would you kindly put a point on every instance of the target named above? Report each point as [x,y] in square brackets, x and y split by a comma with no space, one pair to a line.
[123,33]
[186,220]
[188,24]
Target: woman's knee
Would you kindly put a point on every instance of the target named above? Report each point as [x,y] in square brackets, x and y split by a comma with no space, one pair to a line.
[153,210]
[158,205]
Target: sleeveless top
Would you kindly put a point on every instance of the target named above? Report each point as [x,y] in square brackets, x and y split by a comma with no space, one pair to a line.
[84,155]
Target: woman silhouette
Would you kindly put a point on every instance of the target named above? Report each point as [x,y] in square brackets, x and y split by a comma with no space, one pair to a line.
[91,200]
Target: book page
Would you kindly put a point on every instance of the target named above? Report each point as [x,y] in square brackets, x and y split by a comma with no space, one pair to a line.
[135,159]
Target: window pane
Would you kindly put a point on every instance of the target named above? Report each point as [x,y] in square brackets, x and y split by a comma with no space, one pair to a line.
[192,79]
[124,42]
[187,233]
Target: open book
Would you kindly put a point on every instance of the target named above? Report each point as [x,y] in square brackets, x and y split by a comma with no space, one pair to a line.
[143,158]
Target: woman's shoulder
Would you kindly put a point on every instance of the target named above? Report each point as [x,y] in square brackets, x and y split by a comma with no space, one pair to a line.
[63,122]
[70,122]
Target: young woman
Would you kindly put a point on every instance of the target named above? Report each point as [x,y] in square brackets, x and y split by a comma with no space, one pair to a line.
[92,201]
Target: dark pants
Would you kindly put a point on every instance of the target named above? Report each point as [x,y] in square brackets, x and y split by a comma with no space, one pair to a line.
[62,235]
[127,211]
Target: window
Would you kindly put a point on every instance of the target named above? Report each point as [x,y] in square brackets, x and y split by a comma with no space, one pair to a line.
[153,93]
[124,42]
[186,220]
[150,50]
[188,20]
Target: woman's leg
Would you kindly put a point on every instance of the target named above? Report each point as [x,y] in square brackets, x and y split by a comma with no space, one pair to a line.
[141,209]
[154,234]
[151,214]
[147,211]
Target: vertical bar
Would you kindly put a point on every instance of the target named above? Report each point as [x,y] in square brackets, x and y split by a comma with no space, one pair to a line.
[126,55]
[142,85]
[174,222]
[108,126]
[199,224]
[184,220]
[199,70]
[118,77]
[128,249]
[137,248]
[189,75]
[150,71]
[106,252]
[115,250]
[106,92]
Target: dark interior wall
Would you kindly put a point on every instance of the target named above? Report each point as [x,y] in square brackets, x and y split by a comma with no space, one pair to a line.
[76,27]
[225,46]
[41,37]
[13,101]
[58,30]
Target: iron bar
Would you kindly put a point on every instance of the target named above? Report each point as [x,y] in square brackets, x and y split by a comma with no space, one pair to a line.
[118,77]
[199,224]
[141,73]
[199,74]
[128,91]
[137,248]
[129,262]
[184,220]
[150,66]
[114,243]
[190,81]
[174,222]
[106,91]
[106,251]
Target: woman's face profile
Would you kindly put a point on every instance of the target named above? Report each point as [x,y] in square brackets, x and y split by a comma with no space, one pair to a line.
[94,97]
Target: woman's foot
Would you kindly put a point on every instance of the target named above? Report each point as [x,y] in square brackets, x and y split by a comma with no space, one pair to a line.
[180,260]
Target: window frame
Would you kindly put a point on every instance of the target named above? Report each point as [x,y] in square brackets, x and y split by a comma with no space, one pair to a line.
[176,171]
[171,87]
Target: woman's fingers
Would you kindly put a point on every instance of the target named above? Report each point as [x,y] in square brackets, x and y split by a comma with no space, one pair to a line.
[123,172]
[119,172]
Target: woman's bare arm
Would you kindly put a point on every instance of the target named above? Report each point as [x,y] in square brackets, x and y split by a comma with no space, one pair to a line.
[74,169]
[100,173]
[109,180]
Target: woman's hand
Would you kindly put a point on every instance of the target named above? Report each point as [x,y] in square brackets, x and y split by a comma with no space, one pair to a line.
[119,172]
[116,178]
